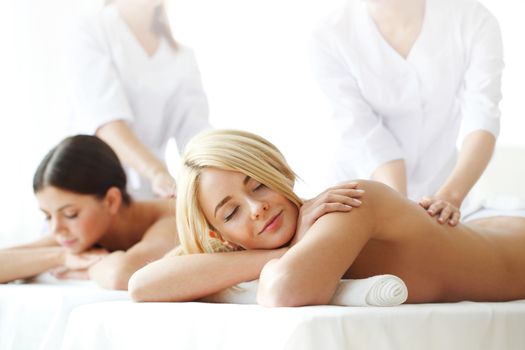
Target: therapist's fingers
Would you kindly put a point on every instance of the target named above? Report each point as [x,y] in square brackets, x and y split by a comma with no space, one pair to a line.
[436,207]
[445,214]
[425,202]
[455,218]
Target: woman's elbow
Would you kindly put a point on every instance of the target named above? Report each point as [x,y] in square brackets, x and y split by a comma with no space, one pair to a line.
[137,288]
[278,287]
[114,279]
[275,294]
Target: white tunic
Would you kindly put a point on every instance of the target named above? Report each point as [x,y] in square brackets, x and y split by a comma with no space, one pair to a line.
[113,78]
[419,108]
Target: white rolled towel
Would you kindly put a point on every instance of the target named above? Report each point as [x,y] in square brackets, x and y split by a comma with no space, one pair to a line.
[381,290]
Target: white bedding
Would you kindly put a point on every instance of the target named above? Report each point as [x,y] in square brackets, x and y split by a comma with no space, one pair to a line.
[45,314]
[33,315]
[461,326]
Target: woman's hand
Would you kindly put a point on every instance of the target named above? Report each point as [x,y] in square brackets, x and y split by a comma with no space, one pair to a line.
[164,184]
[445,210]
[84,260]
[340,198]
[62,273]
[76,266]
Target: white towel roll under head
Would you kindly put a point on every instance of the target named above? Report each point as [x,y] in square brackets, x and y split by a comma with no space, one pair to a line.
[381,290]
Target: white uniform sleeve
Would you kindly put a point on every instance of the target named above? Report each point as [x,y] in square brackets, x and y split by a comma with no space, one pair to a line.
[190,104]
[482,83]
[95,86]
[366,143]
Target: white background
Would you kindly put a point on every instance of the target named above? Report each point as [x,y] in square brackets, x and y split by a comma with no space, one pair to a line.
[255,69]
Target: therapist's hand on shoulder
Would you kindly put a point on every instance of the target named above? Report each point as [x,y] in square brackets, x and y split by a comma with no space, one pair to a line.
[164,184]
[443,209]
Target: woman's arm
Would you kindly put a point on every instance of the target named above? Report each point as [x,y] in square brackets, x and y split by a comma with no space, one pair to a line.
[479,111]
[132,152]
[474,157]
[114,271]
[101,103]
[309,272]
[191,277]
[393,174]
[29,260]
[339,198]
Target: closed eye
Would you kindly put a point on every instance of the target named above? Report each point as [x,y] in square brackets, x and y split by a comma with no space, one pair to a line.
[231,215]
[71,216]
[259,186]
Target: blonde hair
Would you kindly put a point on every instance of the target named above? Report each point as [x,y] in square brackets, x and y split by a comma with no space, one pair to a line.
[161,24]
[232,150]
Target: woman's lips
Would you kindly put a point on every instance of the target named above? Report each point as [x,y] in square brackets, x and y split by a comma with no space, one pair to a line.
[273,223]
[68,242]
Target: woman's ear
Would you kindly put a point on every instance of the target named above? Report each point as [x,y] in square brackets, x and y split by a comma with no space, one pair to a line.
[113,199]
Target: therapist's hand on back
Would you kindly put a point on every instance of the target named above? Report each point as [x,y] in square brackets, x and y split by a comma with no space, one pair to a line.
[442,208]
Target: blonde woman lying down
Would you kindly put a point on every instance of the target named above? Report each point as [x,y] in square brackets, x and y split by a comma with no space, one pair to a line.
[237,221]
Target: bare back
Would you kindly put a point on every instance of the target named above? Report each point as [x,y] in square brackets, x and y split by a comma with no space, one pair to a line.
[138,220]
[481,261]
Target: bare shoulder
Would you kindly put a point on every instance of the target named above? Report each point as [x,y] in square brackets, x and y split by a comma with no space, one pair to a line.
[383,200]
[368,217]
[164,226]
[392,216]
[155,209]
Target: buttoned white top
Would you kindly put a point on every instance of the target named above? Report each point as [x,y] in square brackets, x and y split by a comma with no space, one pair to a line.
[112,78]
[417,109]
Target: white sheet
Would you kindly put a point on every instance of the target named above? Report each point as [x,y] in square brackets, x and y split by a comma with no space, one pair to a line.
[194,326]
[34,315]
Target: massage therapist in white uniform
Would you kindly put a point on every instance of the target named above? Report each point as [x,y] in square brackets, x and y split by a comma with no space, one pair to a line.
[411,82]
[135,87]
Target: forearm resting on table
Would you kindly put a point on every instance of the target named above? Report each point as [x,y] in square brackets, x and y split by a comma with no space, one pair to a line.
[393,174]
[114,271]
[130,149]
[474,156]
[191,277]
[28,262]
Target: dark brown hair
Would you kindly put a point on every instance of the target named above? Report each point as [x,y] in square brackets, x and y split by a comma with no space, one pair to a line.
[82,164]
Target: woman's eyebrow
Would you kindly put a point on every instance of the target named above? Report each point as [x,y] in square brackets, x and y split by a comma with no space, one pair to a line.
[221,203]
[59,209]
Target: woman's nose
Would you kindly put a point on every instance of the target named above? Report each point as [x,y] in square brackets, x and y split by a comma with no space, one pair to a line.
[56,226]
[258,208]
